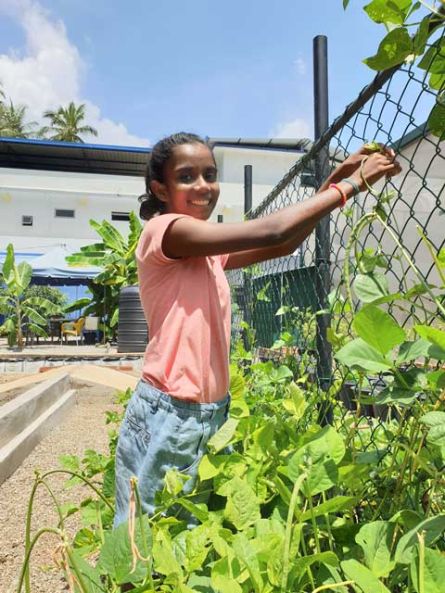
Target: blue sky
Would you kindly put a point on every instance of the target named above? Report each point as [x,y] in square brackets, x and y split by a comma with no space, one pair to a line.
[146,68]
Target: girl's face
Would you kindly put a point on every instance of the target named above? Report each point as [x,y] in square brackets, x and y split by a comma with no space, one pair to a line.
[190,182]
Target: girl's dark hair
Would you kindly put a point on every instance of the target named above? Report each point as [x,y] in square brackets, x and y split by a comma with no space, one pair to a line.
[160,154]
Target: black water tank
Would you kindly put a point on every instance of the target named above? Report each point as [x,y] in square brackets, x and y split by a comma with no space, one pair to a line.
[132,333]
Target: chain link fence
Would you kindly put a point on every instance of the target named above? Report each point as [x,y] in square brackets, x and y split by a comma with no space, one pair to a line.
[280,298]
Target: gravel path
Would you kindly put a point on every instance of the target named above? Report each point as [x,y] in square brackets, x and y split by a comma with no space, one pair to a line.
[83,428]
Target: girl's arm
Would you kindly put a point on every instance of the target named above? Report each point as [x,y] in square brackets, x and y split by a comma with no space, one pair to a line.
[241,259]
[273,235]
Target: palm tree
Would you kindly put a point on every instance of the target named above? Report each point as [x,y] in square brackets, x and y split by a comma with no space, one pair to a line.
[12,121]
[66,124]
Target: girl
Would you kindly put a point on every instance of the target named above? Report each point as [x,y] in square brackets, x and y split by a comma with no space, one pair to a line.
[182,398]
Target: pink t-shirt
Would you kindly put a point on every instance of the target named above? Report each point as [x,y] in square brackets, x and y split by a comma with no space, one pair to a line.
[187,307]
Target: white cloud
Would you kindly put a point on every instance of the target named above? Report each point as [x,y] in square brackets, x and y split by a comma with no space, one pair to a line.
[297,128]
[48,72]
[110,132]
[300,65]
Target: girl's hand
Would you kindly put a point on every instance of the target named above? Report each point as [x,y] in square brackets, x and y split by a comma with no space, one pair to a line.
[375,166]
[353,162]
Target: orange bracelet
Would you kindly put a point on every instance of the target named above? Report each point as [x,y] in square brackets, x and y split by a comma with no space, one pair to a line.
[344,197]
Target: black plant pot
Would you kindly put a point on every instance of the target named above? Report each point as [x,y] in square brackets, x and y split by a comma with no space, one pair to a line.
[348,394]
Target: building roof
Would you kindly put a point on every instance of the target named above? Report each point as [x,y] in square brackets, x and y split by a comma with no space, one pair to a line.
[20,153]
[416,134]
[290,144]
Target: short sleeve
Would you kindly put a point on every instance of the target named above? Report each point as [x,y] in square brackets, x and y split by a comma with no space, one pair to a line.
[150,242]
[224,259]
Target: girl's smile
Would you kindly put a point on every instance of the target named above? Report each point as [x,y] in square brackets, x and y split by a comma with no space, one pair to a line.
[190,182]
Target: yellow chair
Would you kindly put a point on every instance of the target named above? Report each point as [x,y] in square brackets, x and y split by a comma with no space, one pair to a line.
[72,328]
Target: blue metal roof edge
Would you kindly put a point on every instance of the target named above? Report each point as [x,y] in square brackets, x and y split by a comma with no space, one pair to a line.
[76,145]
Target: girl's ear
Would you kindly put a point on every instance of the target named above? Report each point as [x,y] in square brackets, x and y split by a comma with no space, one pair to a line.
[159,190]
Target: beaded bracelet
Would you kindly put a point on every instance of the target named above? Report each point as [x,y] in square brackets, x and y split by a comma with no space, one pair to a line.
[344,197]
[353,184]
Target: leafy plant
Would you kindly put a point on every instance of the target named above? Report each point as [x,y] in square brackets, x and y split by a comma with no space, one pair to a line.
[292,508]
[283,502]
[21,310]
[115,254]
[407,40]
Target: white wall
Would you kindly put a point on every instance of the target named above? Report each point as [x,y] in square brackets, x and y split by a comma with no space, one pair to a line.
[268,168]
[39,193]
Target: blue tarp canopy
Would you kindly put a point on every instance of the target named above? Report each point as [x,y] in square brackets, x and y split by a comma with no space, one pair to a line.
[52,268]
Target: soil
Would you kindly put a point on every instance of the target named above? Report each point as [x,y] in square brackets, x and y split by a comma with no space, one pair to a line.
[84,427]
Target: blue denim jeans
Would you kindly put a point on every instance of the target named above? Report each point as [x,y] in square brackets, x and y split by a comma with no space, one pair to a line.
[158,433]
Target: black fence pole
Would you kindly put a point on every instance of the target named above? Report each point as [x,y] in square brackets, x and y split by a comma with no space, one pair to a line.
[322,232]
[247,188]
[247,280]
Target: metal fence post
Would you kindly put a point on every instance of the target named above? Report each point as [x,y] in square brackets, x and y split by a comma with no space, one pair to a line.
[247,188]
[247,280]
[322,232]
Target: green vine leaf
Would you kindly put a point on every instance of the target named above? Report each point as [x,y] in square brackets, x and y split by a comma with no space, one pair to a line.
[434,59]
[436,82]
[421,36]
[378,329]
[393,50]
[432,529]
[376,539]
[222,438]
[432,334]
[116,558]
[369,287]
[242,508]
[319,458]
[364,579]
[385,11]
[433,571]
[436,121]
[436,422]
[358,354]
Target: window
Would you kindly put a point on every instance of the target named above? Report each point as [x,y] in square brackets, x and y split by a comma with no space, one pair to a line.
[64,213]
[27,220]
[120,216]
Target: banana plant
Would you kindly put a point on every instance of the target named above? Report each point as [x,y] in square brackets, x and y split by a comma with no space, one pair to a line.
[21,311]
[115,254]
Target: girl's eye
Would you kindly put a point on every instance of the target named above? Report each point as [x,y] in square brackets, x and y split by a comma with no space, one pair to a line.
[211,176]
[186,177]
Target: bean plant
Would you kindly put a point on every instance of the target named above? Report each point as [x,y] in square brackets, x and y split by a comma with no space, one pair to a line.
[285,503]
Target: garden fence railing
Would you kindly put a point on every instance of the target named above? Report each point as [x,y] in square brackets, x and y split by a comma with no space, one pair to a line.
[280,298]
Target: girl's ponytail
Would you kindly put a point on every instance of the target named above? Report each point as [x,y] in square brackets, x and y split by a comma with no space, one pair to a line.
[151,205]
